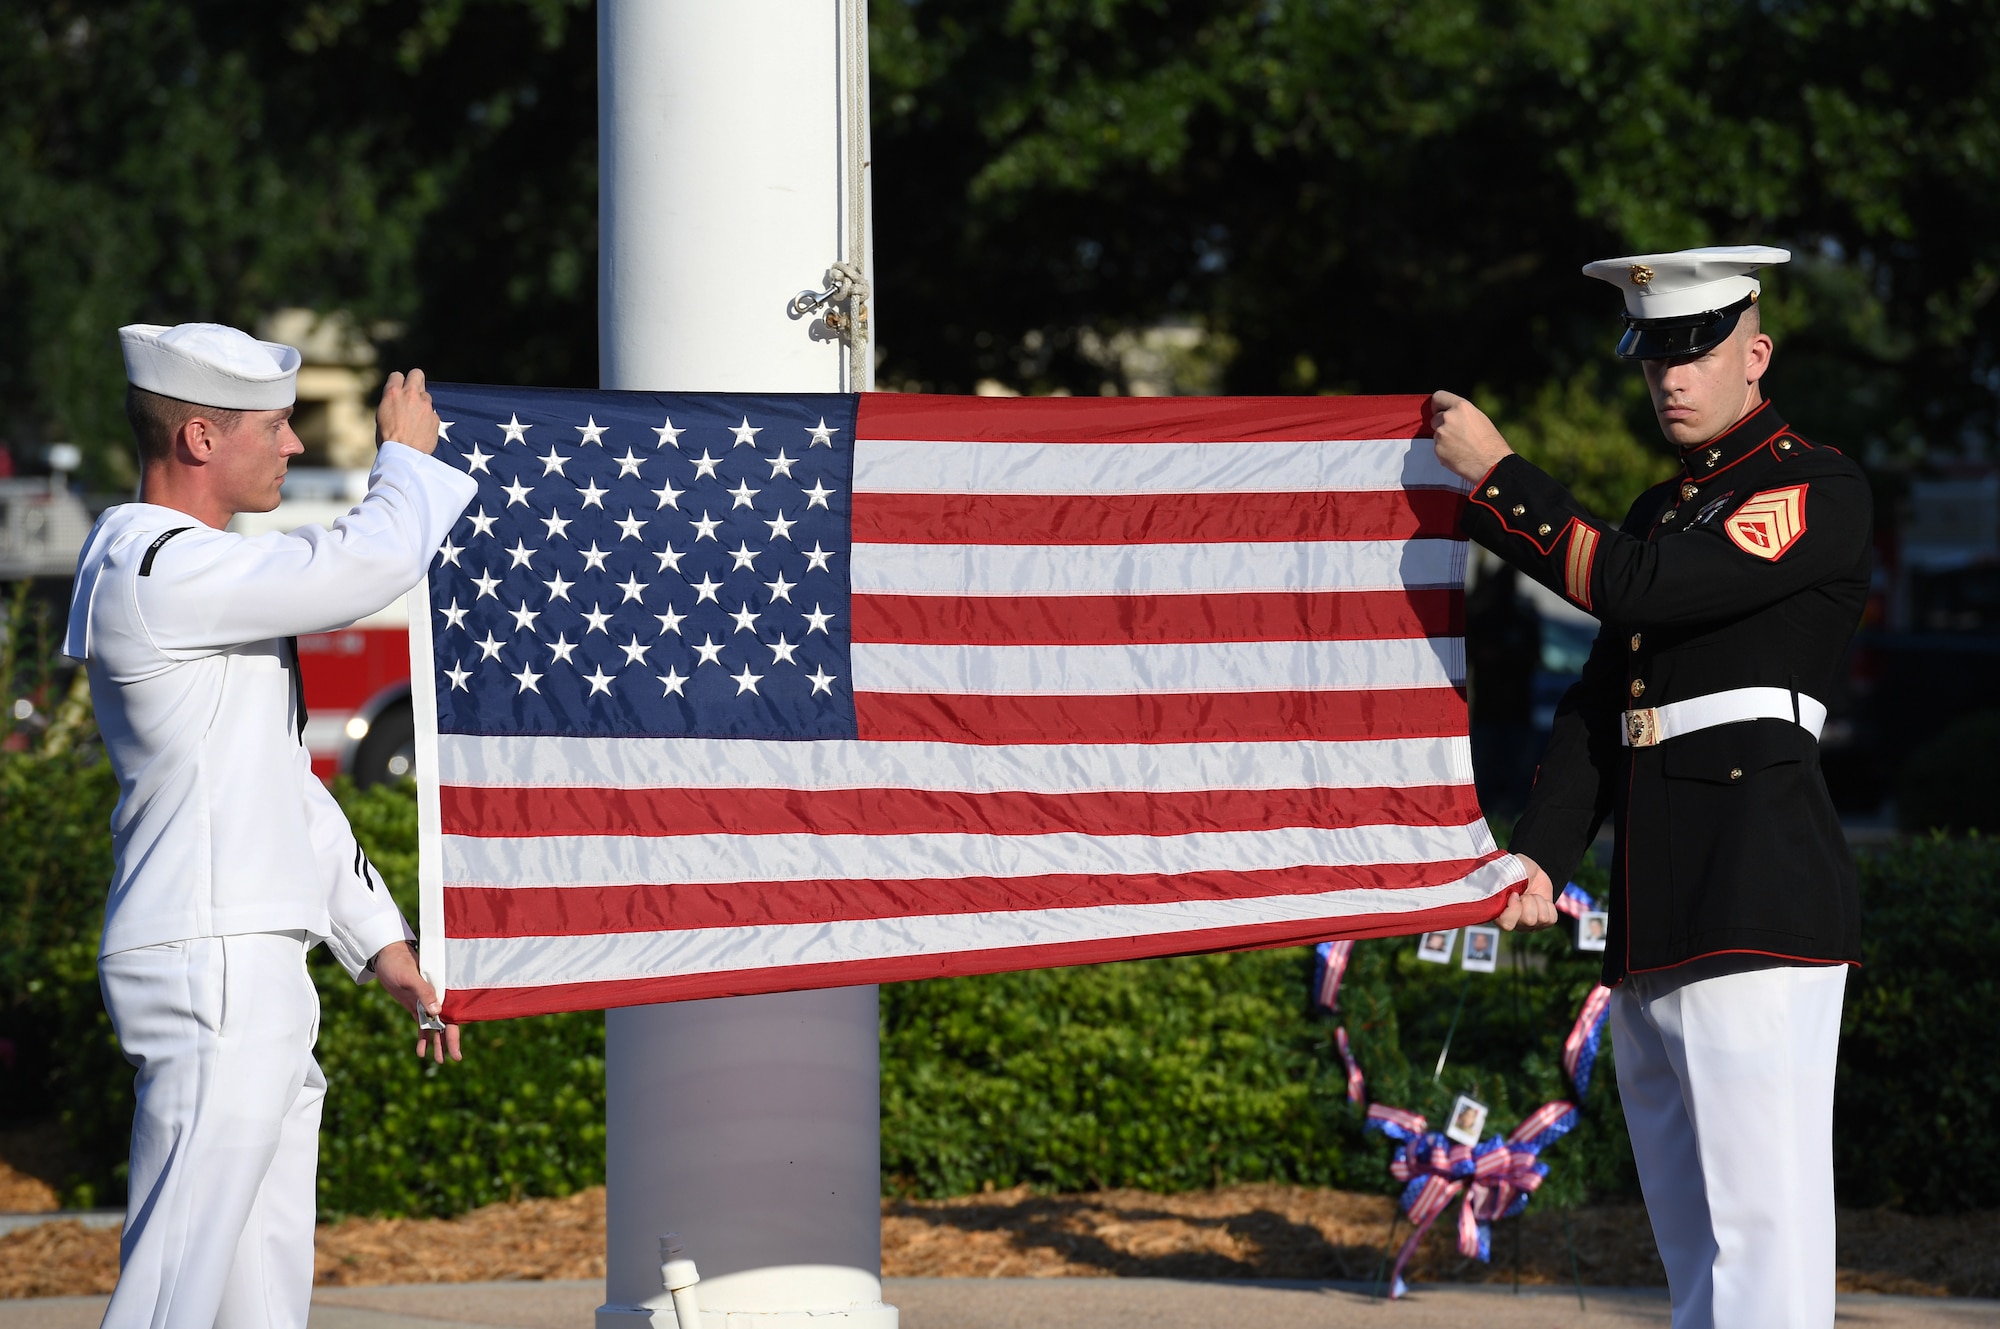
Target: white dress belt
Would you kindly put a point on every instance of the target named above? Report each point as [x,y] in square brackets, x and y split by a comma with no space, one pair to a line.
[1656,724]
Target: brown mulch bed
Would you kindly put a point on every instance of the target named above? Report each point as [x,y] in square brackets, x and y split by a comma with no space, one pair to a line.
[1233,1232]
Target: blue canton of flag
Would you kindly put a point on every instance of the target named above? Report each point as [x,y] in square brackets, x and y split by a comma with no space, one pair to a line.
[678,568]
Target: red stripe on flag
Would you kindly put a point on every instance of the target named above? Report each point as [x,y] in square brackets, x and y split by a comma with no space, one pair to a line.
[1137,620]
[498,1003]
[1141,519]
[1197,717]
[486,811]
[589,911]
[895,415]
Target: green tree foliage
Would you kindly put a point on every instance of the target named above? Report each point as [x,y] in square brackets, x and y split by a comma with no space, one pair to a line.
[1349,195]
[163,162]
[1393,197]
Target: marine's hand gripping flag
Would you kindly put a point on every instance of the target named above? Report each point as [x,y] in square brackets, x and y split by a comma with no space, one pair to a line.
[721,694]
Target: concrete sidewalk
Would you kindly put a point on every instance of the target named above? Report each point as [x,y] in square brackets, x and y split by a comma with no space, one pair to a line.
[1055,1303]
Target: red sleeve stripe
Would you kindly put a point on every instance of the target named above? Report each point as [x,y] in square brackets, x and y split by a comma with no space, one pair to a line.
[1576,568]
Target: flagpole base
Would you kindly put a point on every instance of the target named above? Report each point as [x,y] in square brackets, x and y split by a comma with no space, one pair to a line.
[877,1316]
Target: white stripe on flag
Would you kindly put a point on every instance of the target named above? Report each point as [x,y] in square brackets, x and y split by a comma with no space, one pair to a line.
[1232,666]
[639,860]
[1166,569]
[539,961]
[905,467]
[1043,768]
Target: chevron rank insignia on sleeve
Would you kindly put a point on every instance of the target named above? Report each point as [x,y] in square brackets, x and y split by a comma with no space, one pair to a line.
[1768,523]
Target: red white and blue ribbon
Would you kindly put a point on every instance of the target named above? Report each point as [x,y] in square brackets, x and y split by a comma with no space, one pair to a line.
[1496,1176]
[1329,967]
[1580,1048]
[1576,902]
[1357,1087]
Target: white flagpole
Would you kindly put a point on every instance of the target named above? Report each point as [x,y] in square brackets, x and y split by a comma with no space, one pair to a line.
[728,174]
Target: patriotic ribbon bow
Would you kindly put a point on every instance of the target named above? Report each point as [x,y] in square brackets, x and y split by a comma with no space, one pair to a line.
[1580,1048]
[1576,901]
[1329,966]
[1496,1176]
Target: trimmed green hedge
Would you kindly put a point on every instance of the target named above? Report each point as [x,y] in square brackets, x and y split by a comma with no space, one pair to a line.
[1166,1074]
[1918,1102]
[1181,1073]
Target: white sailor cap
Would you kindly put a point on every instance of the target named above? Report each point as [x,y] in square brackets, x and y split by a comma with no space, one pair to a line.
[1686,302]
[210,365]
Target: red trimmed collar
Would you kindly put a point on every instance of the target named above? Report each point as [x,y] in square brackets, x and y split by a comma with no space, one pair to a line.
[1750,434]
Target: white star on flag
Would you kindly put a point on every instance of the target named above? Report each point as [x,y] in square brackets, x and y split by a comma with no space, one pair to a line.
[745,434]
[592,432]
[668,434]
[516,431]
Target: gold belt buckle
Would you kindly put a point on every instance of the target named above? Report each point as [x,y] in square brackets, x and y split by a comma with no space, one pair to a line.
[1642,727]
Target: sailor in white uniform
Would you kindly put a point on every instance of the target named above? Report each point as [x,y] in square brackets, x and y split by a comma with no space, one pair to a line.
[231,859]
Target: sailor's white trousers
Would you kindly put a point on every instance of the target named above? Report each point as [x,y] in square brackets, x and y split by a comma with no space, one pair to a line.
[1727,1084]
[225,1141]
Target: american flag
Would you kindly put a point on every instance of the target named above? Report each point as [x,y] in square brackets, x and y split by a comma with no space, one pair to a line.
[721,693]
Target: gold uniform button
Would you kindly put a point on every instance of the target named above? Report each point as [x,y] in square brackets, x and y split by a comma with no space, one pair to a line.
[1736,772]
[1688,492]
[1543,529]
[1493,491]
[1635,641]
[1520,511]
[1638,687]
[1669,514]
[1785,445]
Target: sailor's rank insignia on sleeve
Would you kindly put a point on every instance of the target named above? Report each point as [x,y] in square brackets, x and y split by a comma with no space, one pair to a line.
[1768,523]
[1576,566]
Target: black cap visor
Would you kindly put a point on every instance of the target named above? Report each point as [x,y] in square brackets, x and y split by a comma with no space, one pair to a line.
[1682,336]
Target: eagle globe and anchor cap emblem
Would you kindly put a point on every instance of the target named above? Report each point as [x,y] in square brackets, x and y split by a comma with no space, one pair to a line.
[1641,275]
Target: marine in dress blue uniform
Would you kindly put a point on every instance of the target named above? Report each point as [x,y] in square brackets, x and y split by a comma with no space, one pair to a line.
[1727,598]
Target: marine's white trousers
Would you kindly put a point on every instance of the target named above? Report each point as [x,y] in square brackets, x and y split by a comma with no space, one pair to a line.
[1728,1090]
[225,1142]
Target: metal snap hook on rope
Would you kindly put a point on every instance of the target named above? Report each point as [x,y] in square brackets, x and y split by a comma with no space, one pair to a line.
[844,282]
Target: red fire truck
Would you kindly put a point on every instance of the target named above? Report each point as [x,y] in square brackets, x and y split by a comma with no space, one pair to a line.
[357,679]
